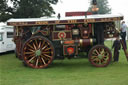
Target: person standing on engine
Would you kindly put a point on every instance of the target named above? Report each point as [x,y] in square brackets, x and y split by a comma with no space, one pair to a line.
[123,32]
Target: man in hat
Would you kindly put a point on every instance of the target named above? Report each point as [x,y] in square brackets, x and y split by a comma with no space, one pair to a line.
[116,46]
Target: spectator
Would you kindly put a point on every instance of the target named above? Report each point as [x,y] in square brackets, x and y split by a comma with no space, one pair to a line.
[116,45]
[127,34]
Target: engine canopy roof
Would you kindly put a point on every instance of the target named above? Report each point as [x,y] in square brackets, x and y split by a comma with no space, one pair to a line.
[65,20]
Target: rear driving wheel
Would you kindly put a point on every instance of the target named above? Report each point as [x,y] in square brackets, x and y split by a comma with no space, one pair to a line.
[100,56]
[38,52]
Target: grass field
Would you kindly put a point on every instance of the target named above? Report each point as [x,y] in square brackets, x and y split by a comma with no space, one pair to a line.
[63,72]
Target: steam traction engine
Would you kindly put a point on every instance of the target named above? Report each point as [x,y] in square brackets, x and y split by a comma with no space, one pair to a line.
[41,40]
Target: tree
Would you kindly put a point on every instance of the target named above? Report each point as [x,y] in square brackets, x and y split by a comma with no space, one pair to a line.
[34,8]
[102,5]
[5,11]
[28,9]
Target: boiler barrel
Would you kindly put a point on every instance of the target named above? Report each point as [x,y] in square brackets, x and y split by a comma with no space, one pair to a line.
[85,42]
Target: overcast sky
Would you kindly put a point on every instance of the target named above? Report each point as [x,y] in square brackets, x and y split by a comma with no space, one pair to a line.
[117,6]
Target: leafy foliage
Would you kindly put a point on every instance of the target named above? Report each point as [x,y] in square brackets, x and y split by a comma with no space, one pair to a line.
[26,9]
[5,11]
[102,5]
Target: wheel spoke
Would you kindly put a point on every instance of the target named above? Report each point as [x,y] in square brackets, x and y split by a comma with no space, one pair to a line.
[37,62]
[30,46]
[31,50]
[96,51]
[100,62]
[39,45]
[31,59]
[46,52]
[47,55]
[94,57]
[28,52]
[43,60]
[44,47]
[34,46]
[102,52]
[106,54]
[47,49]
[105,58]
[43,44]
[104,62]
[32,55]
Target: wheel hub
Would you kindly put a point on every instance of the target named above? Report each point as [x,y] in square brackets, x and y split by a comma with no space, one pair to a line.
[38,52]
[100,56]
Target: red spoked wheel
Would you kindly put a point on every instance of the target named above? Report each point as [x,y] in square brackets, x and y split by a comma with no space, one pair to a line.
[38,52]
[100,56]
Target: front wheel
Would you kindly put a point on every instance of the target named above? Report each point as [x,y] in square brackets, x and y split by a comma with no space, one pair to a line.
[38,52]
[100,56]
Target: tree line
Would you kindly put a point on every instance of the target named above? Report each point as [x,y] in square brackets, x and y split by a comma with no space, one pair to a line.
[26,8]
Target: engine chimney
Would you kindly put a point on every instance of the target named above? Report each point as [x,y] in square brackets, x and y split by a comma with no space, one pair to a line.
[95,9]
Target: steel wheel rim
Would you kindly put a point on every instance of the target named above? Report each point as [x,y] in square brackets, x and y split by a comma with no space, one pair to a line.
[38,52]
[100,56]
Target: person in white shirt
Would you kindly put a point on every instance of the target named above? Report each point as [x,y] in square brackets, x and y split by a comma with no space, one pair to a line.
[127,34]
[123,32]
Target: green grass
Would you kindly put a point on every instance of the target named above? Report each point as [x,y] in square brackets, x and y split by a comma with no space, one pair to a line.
[63,72]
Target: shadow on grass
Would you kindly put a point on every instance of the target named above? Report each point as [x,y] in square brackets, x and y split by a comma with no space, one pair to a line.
[5,53]
[73,63]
